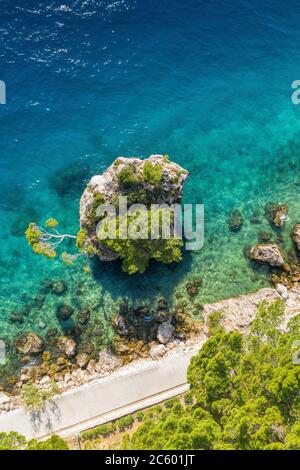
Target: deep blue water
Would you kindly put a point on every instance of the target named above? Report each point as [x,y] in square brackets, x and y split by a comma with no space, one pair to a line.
[207,82]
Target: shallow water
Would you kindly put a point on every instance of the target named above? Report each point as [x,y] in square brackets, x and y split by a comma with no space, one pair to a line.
[206,82]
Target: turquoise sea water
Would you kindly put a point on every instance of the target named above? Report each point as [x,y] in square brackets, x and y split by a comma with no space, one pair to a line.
[207,82]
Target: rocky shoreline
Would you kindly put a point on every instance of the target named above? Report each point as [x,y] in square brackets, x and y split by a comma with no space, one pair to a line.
[237,315]
[61,361]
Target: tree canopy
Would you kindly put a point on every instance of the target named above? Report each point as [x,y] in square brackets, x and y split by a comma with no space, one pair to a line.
[246,391]
[15,441]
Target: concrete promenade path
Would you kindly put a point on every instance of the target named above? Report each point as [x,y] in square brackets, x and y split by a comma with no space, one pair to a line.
[103,400]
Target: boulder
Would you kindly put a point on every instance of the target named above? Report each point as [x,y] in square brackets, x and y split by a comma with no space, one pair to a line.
[268,253]
[165,332]
[82,360]
[91,366]
[277,214]
[66,345]
[296,236]
[283,291]
[58,287]
[162,316]
[157,351]
[120,325]
[29,344]
[108,362]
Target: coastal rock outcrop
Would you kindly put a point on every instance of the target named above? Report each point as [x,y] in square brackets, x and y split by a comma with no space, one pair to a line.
[238,313]
[29,344]
[268,253]
[66,345]
[108,362]
[155,180]
[82,360]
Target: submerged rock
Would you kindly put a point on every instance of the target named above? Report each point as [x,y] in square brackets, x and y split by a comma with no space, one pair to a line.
[83,316]
[162,303]
[70,180]
[162,316]
[269,253]
[264,237]
[29,344]
[192,288]
[235,221]
[39,301]
[58,287]
[277,214]
[16,317]
[296,236]
[21,223]
[64,312]
[120,325]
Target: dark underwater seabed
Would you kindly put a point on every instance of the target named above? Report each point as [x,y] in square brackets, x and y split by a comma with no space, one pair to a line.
[207,82]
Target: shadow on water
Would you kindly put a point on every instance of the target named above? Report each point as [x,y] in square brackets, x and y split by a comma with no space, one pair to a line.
[70,180]
[159,280]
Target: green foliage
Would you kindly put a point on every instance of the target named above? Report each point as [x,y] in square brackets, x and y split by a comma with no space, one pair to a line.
[125,422]
[128,177]
[51,223]
[14,441]
[152,173]
[246,393]
[188,398]
[44,242]
[34,398]
[67,258]
[214,323]
[171,402]
[140,416]
[81,239]
[268,320]
[104,430]
[33,235]
[136,253]
[98,200]
[53,443]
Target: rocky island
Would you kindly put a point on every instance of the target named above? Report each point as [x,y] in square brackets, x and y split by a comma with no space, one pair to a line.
[155,180]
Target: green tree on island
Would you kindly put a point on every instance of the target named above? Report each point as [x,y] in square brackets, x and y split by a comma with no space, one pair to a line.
[155,181]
